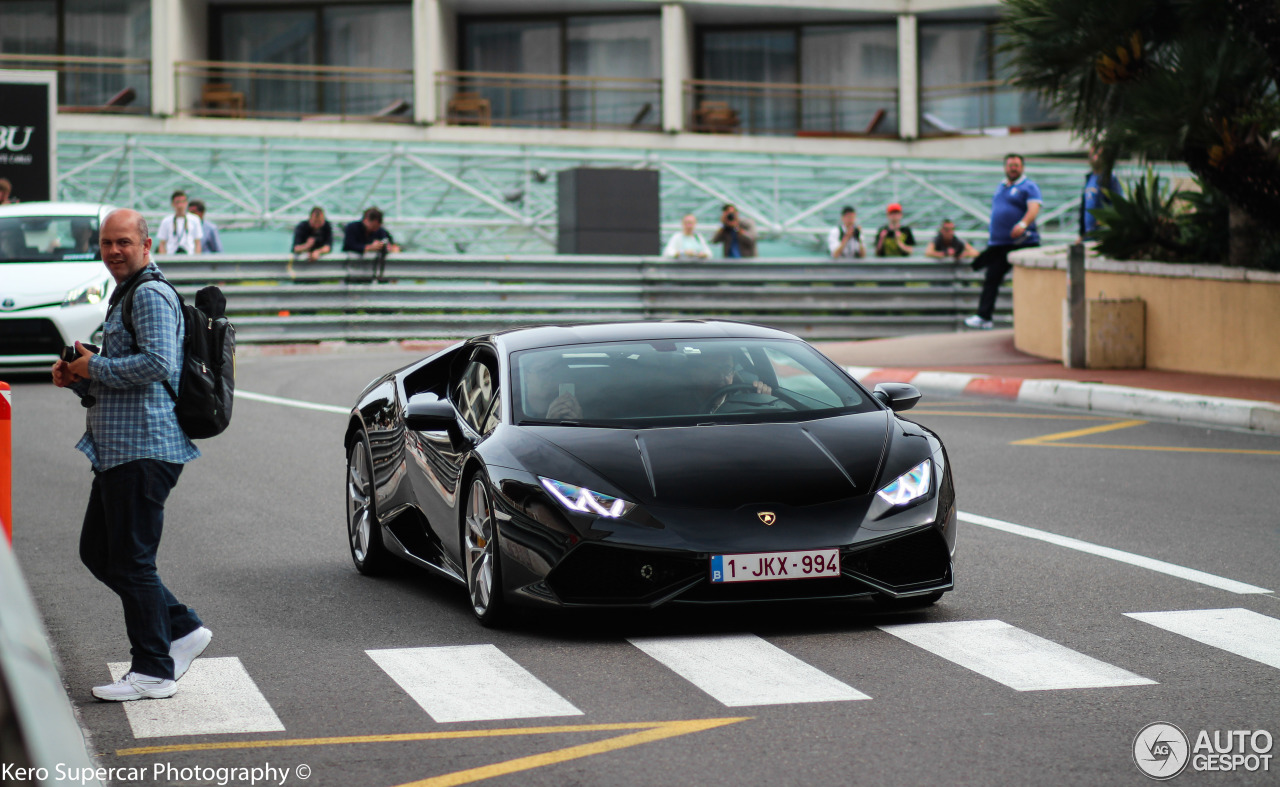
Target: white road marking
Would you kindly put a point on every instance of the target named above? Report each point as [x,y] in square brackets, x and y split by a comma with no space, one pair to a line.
[1018,659]
[215,697]
[301,405]
[1239,631]
[470,683]
[1173,570]
[743,669]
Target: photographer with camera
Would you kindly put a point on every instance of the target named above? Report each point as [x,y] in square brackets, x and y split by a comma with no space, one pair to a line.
[737,234]
[137,450]
[181,233]
[368,235]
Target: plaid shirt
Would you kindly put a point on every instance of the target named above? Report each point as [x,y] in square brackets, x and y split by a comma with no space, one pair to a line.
[133,417]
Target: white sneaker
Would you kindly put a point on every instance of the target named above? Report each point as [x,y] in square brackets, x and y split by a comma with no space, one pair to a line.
[975,321]
[134,686]
[185,650]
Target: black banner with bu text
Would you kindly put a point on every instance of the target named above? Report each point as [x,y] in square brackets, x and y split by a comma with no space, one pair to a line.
[26,137]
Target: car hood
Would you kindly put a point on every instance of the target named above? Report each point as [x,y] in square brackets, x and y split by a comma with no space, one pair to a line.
[40,283]
[733,465]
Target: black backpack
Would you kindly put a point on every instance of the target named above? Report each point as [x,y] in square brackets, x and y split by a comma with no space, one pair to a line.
[206,389]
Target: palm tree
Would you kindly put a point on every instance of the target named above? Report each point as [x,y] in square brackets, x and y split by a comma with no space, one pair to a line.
[1190,80]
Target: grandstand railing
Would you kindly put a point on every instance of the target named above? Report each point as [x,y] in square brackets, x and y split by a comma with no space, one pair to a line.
[715,106]
[480,98]
[216,88]
[116,85]
[279,299]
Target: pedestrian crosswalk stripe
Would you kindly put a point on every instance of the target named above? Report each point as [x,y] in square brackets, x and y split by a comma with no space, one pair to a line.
[743,669]
[470,683]
[1239,631]
[1018,659]
[215,697]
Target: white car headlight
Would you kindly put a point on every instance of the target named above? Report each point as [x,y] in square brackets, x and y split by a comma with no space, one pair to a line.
[911,485]
[585,501]
[89,293]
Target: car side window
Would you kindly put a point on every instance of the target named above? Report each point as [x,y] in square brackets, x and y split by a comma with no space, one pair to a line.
[476,393]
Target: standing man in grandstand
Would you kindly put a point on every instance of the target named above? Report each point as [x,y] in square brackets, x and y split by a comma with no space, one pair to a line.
[844,241]
[1014,208]
[181,233]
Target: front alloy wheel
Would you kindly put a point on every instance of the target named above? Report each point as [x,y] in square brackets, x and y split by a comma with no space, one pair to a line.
[480,540]
[365,539]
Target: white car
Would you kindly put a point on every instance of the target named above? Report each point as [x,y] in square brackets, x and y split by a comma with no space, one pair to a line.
[53,285]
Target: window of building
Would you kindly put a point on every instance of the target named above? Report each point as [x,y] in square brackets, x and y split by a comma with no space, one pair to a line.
[962,81]
[830,78]
[604,51]
[360,36]
[119,29]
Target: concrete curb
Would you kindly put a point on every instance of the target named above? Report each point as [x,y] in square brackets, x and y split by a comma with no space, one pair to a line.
[1213,411]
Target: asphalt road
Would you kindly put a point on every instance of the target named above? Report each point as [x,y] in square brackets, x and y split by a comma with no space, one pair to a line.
[255,542]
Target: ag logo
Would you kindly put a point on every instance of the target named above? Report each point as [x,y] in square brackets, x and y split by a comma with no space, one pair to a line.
[9,137]
[8,303]
[768,517]
[1161,750]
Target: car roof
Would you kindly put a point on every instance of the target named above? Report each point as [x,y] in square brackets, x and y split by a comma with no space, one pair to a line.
[558,335]
[23,209]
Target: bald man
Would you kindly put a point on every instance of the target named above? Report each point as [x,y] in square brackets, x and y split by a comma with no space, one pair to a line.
[137,451]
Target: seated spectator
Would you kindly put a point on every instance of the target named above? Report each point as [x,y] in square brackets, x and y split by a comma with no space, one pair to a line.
[212,242]
[844,242]
[687,243]
[6,193]
[314,236]
[946,245]
[895,239]
[368,234]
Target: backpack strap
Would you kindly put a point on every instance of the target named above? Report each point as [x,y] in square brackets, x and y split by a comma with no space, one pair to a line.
[126,316]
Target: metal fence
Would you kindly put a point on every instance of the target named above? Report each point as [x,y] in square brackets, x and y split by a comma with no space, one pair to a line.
[278,299]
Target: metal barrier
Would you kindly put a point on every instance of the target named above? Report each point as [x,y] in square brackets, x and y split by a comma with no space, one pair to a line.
[276,299]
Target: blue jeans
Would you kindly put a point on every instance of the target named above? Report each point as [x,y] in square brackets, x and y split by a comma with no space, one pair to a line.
[118,544]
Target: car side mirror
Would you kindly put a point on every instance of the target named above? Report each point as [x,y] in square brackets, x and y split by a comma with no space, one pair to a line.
[898,396]
[427,412]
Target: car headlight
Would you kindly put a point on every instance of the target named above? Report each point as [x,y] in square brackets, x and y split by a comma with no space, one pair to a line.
[911,485]
[90,293]
[585,501]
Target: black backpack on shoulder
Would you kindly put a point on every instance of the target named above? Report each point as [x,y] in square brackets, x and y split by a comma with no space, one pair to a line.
[206,389]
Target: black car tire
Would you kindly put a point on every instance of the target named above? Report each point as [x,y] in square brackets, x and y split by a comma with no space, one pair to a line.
[481,555]
[364,536]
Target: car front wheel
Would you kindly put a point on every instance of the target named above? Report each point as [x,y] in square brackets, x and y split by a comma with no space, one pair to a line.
[480,541]
[363,535]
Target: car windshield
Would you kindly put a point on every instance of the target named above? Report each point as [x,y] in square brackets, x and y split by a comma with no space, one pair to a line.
[679,383]
[48,238]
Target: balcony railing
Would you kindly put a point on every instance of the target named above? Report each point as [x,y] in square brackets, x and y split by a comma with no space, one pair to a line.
[292,92]
[718,107]
[93,84]
[549,101]
[993,107]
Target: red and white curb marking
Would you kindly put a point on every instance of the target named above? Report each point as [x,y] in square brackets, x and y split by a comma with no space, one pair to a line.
[1213,411]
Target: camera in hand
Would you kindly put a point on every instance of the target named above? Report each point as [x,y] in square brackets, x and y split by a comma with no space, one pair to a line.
[69,353]
[730,217]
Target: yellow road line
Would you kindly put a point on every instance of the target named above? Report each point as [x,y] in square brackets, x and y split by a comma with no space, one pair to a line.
[1049,438]
[1032,416]
[1181,449]
[666,730]
[396,737]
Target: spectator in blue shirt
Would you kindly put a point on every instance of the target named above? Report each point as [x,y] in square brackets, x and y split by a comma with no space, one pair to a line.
[1093,196]
[137,451]
[1014,208]
[212,243]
